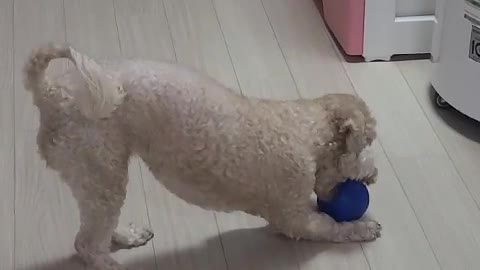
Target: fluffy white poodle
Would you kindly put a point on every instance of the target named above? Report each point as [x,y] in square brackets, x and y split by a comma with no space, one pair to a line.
[206,144]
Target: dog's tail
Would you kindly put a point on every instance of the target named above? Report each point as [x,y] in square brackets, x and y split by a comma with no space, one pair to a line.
[102,94]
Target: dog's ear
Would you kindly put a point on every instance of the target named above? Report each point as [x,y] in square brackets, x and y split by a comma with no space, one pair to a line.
[352,130]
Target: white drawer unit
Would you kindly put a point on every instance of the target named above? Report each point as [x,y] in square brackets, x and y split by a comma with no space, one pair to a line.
[398,27]
[456,56]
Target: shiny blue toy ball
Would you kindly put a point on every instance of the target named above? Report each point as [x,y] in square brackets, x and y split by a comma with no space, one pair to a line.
[349,203]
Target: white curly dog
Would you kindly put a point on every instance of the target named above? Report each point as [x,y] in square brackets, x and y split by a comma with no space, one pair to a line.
[206,144]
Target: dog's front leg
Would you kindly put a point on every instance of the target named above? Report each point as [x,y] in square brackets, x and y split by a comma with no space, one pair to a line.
[325,182]
[308,224]
[359,166]
[371,178]
[292,213]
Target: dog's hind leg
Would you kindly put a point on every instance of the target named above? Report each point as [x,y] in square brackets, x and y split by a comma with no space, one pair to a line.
[100,190]
[131,236]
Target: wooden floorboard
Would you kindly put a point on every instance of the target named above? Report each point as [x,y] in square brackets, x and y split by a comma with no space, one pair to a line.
[7,137]
[427,196]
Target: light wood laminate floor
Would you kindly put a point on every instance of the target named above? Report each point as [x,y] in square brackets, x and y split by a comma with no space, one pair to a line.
[427,196]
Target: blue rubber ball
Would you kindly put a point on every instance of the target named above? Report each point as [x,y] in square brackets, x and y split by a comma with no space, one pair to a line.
[349,203]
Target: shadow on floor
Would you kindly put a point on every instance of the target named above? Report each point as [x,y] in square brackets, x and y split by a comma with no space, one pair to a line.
[258,239]
[461,123]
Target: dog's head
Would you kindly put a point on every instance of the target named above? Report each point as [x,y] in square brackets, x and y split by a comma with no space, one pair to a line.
[353,128]
[355,124]
[351,120]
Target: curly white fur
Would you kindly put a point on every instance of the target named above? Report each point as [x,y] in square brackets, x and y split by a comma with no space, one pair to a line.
[103,92]
[206,144]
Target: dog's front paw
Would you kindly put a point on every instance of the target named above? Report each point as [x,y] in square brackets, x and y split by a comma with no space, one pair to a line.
[131,237]
[371,179]
[358,231]
[368,230]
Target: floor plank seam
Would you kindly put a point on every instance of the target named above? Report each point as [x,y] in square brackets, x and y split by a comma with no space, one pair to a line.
[14,86]
[222,244]
[152,243]
[172,40]
[281,50]
[466,186]
[226,46]
[116,26]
